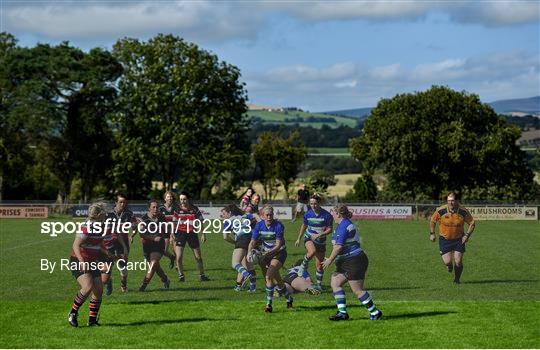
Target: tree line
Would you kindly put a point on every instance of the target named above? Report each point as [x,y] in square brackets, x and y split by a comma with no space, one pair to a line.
[80,125]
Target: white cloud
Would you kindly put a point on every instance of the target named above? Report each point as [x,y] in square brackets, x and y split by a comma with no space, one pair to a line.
[492,77]
[208,21]
[195,20]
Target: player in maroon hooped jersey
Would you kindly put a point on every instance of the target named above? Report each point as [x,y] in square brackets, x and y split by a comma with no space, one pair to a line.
[86,256]
[185,216]
[169,209]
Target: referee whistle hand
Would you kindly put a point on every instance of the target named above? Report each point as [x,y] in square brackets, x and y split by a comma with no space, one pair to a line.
[297,243]
[432,238]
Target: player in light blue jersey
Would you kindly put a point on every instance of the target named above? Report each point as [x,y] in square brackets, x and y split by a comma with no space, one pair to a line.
[268,236]
[351,265]
[237,230]
[316,226]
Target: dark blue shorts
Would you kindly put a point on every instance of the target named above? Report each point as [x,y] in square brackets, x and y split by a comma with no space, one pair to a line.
[448,245]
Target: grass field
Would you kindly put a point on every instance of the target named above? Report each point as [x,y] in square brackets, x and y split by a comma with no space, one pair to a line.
[279,118]
[496,306]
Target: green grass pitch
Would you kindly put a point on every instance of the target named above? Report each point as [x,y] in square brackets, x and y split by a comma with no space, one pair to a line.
[496,306]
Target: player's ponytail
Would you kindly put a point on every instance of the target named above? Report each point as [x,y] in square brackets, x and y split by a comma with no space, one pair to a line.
[343,211]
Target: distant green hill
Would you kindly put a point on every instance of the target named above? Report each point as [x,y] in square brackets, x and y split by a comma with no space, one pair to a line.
[315,120]
[359,113]
[524,105]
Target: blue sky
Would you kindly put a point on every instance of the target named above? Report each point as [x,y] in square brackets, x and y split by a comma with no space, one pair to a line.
[320,55]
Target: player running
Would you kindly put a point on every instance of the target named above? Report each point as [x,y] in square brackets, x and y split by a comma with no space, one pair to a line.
[118,243]
[317,225]
[452,236]
[153,232]
[351,265]
[253,206]
[169,209]
[87,251]
[269,235]
[186,214]
[240,224]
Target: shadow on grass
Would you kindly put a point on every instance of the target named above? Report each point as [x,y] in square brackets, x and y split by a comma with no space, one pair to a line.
[156,302]
[159,322]
[497,281]
[417,314]
[393,288]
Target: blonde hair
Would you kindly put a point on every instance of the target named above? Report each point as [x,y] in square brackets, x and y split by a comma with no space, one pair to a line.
[95,211]
[268,207]
[169,192]
[342,210]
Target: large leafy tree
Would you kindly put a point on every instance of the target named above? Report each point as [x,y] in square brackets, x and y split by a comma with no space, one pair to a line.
[430,142]
[56,103]
[278,159]
[182,116]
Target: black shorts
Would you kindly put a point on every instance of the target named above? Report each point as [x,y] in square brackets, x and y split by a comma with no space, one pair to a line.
[290,277]
[448,245]
[153,247]
[78,273]
[118,249]
[192,239]
[281,256]
[242,242]
[353,268]
[320,247]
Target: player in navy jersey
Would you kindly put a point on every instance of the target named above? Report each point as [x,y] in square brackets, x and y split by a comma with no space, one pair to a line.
[153,234]
[186,214]
[297,282]
[169,209]
[269,235]
[87,251]
[351,265]
[316,226]
[239,225]
[118,243]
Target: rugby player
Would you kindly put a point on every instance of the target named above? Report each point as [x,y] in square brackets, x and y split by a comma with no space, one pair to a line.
[186,214]
[87,251]
[452,236]
[317,225]
[269,234]
[153,242]
[299,283]
[240,225]
[351,265]
[169,209]
[253,206]
[246,198]
[118,243]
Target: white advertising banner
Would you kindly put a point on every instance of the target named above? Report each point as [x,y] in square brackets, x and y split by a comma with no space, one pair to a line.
[280,213]
[503,213]
[379,213]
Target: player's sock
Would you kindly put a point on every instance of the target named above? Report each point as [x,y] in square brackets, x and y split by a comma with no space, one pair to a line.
[319,276]
[458,270]
[252,280]
[305,262]
[341,302]
[449,267]
[77,302]
[269,294]
[242,270]
[366,300]
[94,309]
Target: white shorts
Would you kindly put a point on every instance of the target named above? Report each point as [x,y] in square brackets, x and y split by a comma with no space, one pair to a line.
[301,207]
